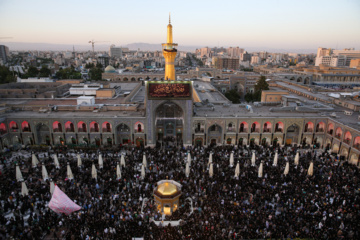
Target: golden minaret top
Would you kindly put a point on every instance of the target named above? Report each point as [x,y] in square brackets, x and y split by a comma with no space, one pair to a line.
[169,31]
[169,52]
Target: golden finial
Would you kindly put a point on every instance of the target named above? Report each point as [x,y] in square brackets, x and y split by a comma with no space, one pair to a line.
[169,18]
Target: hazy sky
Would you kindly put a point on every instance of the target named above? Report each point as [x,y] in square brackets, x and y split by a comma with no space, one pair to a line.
[301,24]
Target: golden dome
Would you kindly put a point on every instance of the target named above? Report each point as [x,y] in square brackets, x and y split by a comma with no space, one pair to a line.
[167,189]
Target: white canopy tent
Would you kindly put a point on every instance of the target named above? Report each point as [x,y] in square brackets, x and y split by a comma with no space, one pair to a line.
[24,189]
[253,159]
[311,169]
[237,170]
[69,173]
[287,167]
[189,158]
[44,172]
[261,169]
[144,162]
[211,170]
[276,158]
[56,161]
[34,160]
[52,186]
[118,171]
[19,176]
[79,162]
[231,159]
[122,160]
[187,170]
[143,172]
[101,162]
[93,171]
[297,157]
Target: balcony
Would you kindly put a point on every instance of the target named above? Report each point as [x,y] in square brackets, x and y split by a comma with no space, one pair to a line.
[256,130]
[26,129]
[141,131]
[82,130]
[357,146]
[69,130]
[330,132]
[267,130]
[14,129]
[320,130]
[231,130]
[309,130]
[347,141]
[338,136]
[278,130]
[94,130]
[106,130]
[2,132]
[56,130]
[245,130]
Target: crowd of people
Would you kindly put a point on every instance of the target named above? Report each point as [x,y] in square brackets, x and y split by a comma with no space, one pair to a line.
[296,205]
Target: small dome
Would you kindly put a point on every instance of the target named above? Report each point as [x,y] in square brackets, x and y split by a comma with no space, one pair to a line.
[166,189]
[110,69]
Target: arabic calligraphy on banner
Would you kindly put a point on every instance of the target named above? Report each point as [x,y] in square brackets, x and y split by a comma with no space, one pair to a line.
[169,90]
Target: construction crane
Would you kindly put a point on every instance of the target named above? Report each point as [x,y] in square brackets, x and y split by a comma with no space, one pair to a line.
[92,43]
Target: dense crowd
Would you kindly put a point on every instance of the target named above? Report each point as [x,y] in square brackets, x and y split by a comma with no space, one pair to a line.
[322,206]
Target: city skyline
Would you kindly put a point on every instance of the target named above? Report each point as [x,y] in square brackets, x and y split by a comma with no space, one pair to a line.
[258,24]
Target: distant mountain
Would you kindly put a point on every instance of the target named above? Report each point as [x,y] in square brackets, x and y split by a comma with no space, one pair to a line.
[23,46]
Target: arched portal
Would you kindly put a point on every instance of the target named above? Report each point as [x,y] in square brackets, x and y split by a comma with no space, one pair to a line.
[354,159]
[243,127]
[123,134]
[344,153]
[169,123]
[292,134]
[43,134]
[139,142]
[198,142]
[2,128]
[214,133]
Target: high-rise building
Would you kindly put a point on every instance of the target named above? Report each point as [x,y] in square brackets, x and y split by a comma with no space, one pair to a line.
[205,52]
[255,60]
[245,56]
[336,58]
[4,53]
[234,51]
[350,54]
[115,52]
[227,63]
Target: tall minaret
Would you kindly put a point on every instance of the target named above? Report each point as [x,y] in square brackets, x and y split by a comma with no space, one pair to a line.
[169,52]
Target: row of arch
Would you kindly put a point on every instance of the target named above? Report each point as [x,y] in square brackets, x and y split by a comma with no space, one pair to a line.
[267,127]
[305,80]
[69,126]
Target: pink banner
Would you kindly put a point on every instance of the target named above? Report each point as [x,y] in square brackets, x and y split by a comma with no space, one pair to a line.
[61,203]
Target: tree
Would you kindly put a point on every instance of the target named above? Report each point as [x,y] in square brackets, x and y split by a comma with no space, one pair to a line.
[89,65]
[95,73]
[233,96]
[99,65]
[32,72]
[68,73]
[249,97]
[261,85]
[44,71]
[6,76]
